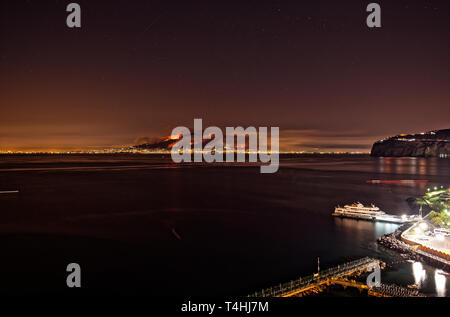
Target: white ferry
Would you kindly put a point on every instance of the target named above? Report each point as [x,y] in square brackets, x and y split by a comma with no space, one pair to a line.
[371,213]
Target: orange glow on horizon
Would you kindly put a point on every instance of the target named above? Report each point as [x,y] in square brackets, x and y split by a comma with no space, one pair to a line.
[175,137]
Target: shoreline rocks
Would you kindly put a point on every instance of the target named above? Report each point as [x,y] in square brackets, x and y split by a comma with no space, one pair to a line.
[393,242]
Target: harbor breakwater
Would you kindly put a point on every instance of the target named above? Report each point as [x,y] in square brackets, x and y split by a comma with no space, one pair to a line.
[393,241]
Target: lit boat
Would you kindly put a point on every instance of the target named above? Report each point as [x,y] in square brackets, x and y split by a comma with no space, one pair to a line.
[9,191]
[393,181]
[371,213]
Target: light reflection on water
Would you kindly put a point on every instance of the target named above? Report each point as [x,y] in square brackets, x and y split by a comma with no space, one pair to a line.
[430,282]
[440,282]
[419,273]
[384,228]
[361,230]
[407,165]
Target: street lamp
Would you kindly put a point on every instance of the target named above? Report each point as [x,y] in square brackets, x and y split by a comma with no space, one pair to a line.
[423,226]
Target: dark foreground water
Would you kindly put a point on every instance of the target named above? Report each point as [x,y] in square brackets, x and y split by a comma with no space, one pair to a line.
[142,224]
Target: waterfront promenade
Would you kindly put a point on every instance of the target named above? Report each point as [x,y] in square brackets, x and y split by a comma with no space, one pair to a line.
[412,248]
[434,247]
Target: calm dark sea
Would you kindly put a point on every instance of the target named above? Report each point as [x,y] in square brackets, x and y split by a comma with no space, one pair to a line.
[142,224]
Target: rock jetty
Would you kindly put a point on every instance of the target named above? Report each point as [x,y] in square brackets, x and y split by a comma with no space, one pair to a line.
[394,242]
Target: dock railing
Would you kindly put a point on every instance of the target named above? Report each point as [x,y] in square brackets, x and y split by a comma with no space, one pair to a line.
[316,279]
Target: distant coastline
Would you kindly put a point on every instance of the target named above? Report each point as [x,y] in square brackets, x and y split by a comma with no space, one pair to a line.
[156,152]
[425,144]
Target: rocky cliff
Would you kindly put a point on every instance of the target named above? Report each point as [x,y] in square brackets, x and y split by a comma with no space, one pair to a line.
[429,144]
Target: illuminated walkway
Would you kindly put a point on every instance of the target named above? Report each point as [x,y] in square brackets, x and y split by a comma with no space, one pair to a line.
[306,284]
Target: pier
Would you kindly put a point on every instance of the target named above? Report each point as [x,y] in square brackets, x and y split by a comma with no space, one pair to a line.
[338,275]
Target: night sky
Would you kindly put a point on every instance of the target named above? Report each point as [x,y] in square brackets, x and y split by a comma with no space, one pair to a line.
[137,69]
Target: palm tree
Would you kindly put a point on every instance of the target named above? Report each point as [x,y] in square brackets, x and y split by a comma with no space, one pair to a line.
[421,201]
